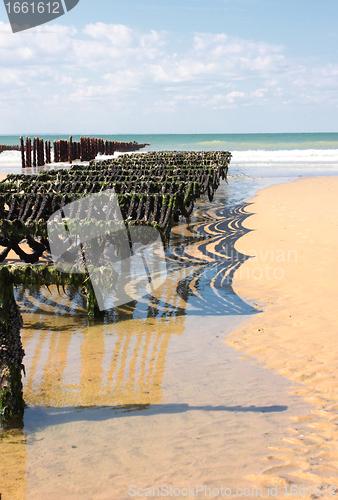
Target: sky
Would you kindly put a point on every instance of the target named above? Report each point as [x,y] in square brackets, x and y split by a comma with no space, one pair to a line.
[169,66]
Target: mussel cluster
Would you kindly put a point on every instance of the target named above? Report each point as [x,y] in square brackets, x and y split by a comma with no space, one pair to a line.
[11,350]
[153,189]
[7,147]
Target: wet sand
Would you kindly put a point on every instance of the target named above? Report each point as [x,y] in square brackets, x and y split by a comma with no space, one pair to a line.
[138,404]
[152,397]
[293,277]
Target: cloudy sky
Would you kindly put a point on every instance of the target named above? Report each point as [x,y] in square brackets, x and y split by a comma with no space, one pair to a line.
[173,66]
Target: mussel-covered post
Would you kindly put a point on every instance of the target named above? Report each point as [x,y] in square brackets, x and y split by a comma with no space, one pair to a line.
[22,149]
[47,150]
[34,152]
[40,152]
[56,151]
[28,152]
[11,350]
[70,150]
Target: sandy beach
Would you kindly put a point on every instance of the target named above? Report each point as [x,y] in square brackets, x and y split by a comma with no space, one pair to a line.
[217,397]
[293,277]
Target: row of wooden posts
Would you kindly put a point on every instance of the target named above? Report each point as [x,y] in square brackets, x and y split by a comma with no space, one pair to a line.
[37,153]
[7,147]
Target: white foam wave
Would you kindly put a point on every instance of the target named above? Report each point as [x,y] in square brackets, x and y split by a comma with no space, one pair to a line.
[292,157]
[10,161]
[210,143]
[10,158]
[13,159]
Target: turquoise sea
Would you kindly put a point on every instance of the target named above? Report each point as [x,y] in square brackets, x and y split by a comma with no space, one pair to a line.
[209,142]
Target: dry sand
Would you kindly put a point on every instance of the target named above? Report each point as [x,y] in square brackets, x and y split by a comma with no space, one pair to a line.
[293,278]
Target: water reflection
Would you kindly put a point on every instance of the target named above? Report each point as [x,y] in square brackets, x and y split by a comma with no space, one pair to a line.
[124,360]
[71,362]
[115,364]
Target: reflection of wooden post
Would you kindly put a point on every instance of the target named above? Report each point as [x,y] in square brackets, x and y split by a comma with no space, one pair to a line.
[51,382]
[92,352]
[121,363]
[11,351]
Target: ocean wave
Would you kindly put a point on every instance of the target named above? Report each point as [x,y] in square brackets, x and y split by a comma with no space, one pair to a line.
[314,160]
[211,143]
[287,156]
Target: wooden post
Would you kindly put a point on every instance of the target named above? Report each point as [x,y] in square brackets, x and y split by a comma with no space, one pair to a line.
[63,150]
[11,351]
[37,149]
[56,152]
[70,150]
[22,147]
[34,152]
[46,152]
[82,149]
[89,149]
[41,150]
[28,152]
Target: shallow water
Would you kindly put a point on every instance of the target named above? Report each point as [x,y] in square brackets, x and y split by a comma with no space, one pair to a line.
[150,395]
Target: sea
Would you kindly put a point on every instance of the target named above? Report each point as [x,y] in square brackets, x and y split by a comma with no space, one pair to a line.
[149,397]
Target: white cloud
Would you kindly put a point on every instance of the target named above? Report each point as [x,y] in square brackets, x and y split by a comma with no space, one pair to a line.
[127,68]
[221,101]
[118,34]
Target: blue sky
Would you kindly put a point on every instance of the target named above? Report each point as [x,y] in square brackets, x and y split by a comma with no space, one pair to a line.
[167,66]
